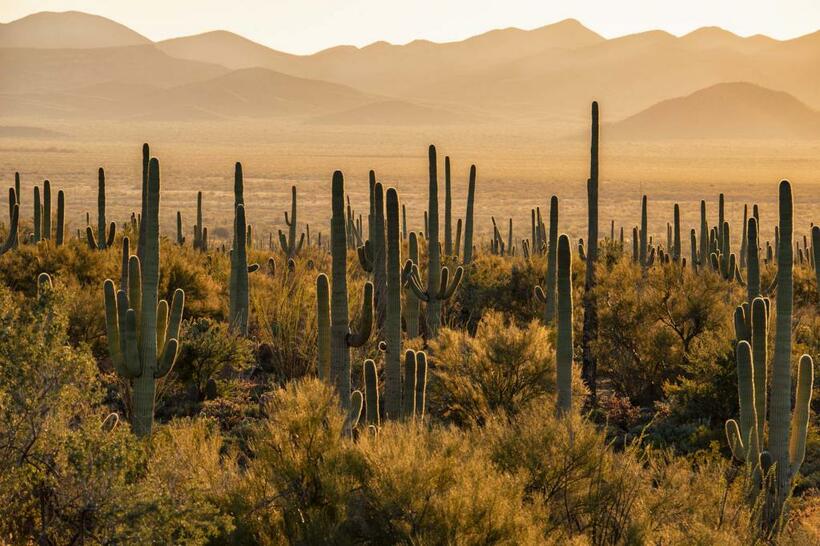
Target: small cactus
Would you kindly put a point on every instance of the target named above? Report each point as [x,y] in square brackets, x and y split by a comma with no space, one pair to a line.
[288,243]
[103,241]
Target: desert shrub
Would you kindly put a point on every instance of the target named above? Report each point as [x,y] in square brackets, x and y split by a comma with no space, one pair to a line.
[182,497]
[183,268]
[653,325]
[302,470]
[493,282]
[500,369]
[60,468]
[209,350]
[435,486]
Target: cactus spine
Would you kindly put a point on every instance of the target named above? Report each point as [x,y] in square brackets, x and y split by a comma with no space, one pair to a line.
[340,335]
[142,336]
[289,246]
[102,242]
[563,344]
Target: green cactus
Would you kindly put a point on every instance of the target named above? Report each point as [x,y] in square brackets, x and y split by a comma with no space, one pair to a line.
[415,385]
[102,242]
[676,242]
[468,218]
[289,245]
[180,236]
[38,218]
[142,335]
[392,303]
[439,286]
[547,294]
[14,217]
[787,429]
[46,234]
[199,230]
[563,344]
[744,243]
[644,241]
[60,227]
[590,327]
[239,308]
[323,323]
[693,240]
[815,246]
[411,310]
[448,210]
[371,392]
[340,335]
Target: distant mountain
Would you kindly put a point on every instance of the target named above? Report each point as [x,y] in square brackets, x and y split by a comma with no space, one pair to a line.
[542,77]
[71,29]
[724,111]
[26,132]
[57,70]
[393,113]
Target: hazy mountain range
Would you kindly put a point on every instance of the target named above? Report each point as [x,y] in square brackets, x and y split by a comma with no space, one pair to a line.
[709,83]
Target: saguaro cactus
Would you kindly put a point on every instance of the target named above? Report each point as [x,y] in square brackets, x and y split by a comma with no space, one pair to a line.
[14,213]
[180,236]
[411,309]
[448,210]
[468,218]
[142,336]
[289,245]
[787,428]
[200,232]
[590,330]
[46,234]
[101,242]
[392,322]
[563,343]
[547,294]
[815,246]
[38,216]
[340,336]
[439,286]
[60,227]
[239,307]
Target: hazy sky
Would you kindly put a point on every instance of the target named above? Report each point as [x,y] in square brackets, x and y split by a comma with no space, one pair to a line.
[305,26]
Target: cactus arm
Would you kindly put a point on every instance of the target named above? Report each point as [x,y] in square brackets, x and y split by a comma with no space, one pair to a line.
[11,238]
[323,320]
[354,412]
[162,325]
[112,328]
[800,415]
[89,236]
[409,403]
[447,290]
[421,384]
[371,390]
[177,306]
[539,294]
[166,361]
[253,268]
[359,336]
[414,282]
[735,440]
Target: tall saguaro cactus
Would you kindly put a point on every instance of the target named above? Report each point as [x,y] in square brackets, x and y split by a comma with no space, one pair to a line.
[439,286]
[563,343]
[101,242]
[815,246]
[338,337]
[787,428]
[142,335]
[411,313]
[590,329]
[468,218]
[239,307]
[448,210]
[392,323]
